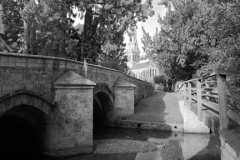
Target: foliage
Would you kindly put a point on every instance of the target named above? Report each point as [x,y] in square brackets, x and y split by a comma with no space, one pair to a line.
[159,79]
[46,27]
[13,25]
[115,60]
[195,33]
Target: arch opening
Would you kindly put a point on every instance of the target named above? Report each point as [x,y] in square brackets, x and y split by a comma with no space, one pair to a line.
[103,110]
[21,131]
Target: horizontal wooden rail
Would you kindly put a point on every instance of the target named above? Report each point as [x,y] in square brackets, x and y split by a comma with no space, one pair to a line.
[209,82]
[229,72]
[209,104]
[215,91]
[216,88]
[210,95]
[191,80]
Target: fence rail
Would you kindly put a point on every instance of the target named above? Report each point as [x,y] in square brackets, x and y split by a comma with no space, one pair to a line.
[211,92]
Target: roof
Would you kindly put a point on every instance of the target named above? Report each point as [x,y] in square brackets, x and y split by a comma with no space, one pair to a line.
[141,65]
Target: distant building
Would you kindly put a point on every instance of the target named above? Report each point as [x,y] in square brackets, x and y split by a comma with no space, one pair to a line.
[142,69]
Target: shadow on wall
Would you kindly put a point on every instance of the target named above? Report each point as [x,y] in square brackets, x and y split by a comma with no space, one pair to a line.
[21,131]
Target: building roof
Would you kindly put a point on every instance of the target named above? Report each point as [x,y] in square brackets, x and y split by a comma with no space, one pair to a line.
[140,65]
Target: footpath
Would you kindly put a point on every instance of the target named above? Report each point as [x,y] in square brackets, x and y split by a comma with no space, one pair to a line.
[160,112]
[164,111]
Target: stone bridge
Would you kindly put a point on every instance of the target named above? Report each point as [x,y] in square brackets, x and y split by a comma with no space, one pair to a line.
[54,102]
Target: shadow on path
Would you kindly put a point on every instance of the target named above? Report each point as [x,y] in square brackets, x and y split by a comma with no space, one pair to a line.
[162,107]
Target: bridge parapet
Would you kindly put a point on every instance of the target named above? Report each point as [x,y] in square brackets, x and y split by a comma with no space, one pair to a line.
[37,73]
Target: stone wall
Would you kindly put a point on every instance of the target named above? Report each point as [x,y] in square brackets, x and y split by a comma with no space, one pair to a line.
[37,74]
[64,91]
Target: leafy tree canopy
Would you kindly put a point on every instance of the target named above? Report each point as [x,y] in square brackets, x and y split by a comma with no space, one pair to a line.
[195,33]
[46,27]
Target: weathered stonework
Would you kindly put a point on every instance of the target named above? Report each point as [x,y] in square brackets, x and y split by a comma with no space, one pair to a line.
[68,130]
[37,73]
[124,99]
[74,100]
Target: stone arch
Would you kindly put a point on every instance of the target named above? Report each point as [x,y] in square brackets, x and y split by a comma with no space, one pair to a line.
[103,88]
[24,97]
[103,108]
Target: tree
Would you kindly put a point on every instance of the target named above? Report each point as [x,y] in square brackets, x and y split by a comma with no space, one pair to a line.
[13,24]
[178,48]
[48,28]
[105,23]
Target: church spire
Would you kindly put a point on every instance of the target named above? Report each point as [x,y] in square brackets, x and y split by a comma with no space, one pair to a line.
[132,49]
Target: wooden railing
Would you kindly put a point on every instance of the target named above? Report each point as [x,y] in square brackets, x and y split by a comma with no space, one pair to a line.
[211,92]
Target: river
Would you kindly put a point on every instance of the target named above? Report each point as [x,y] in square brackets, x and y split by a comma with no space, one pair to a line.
[133,144]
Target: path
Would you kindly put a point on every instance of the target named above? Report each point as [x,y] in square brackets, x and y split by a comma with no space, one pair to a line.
[162,107]
[160,112]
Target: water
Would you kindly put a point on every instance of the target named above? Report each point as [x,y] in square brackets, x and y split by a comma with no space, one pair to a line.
[133,144]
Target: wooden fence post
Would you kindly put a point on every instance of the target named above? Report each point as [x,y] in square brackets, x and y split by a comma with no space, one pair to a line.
[189,95]
[223,118]
[185,94]
[199,99]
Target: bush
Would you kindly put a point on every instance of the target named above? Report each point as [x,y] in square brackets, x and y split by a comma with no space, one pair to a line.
[159,79]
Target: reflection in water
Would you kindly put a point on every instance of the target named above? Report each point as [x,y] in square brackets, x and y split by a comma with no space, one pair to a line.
[193,144]
[152,155]
[130,144]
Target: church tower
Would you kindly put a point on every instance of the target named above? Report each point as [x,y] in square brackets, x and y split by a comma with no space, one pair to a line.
[132,48]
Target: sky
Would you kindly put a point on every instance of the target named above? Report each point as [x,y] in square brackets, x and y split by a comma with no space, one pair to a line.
[150,24]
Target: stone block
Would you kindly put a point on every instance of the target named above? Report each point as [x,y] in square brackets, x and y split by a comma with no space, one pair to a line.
[29,87]
[12,62]
[30,61]
[5,58]
[6,88]
[16,77]
[21,64]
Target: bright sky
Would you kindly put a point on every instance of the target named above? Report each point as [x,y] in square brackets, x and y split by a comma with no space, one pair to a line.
[150,24]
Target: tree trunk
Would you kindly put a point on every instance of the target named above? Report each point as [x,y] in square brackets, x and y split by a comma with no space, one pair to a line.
[26,37]
[32,43]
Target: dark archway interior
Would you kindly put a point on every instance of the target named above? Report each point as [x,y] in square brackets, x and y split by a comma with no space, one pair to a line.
[20,131]
[103,111]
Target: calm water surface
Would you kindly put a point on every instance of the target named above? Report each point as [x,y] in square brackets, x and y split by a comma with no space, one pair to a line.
[131,144]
